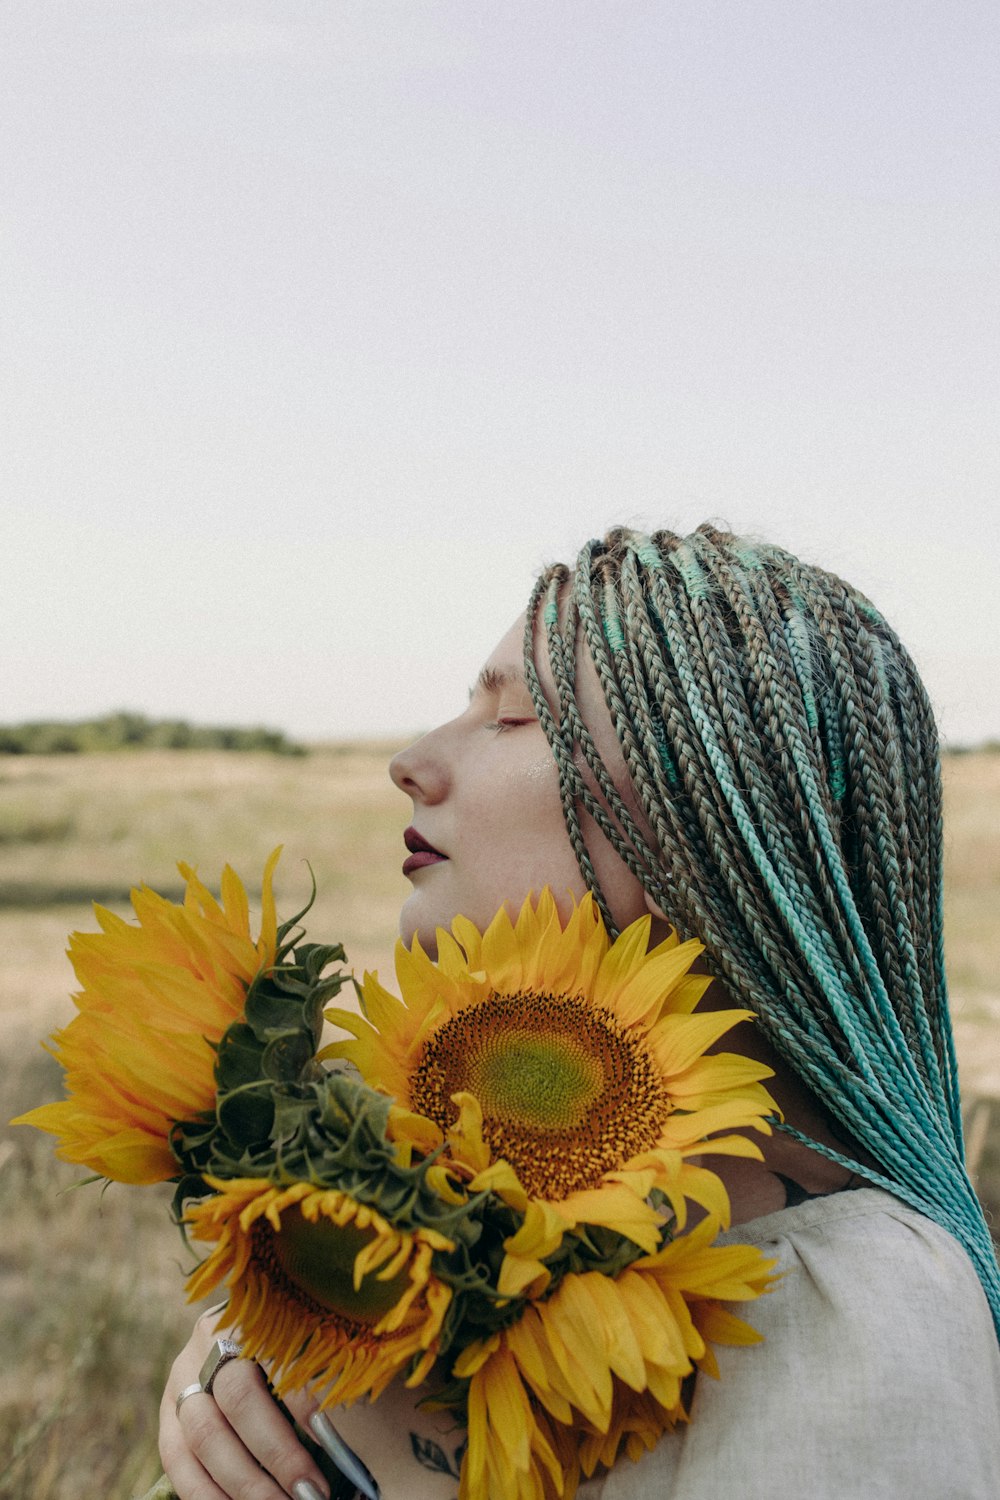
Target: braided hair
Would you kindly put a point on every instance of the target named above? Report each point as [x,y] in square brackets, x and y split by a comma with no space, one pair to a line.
[784,755]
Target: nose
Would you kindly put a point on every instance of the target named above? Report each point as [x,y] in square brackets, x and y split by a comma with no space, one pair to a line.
[420,770]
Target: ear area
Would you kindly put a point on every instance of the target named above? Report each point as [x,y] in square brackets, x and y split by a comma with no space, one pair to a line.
[655,911]
[662,926]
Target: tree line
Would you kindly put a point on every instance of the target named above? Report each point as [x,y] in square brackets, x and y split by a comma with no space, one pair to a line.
[133,731]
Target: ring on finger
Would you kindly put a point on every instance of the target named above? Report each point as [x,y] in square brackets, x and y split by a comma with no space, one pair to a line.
[221,1352]
[189,1390]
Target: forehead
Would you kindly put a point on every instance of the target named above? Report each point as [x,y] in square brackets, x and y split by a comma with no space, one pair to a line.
[504,667]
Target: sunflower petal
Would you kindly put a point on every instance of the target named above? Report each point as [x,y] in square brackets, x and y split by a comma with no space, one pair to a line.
[465,1137]
[353,1299]
[156,997]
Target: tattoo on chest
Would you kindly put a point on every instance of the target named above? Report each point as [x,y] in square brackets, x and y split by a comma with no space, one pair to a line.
[431,1454]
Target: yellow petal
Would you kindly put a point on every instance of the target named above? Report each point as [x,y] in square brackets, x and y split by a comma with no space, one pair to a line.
[465,1137]
[234,901]
[500,1178]
[647,992]
[614,1205]
[679,1040]
[267,942]
[541,1233]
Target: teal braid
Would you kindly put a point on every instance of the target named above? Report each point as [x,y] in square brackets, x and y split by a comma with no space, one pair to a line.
[786,809]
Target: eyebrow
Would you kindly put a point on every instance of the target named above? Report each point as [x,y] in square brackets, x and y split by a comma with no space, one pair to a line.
[495,679]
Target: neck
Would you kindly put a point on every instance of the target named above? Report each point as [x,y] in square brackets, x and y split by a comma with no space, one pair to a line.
[756,1187]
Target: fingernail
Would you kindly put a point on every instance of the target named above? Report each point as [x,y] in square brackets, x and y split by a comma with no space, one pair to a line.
[306,1490]
[345,1458]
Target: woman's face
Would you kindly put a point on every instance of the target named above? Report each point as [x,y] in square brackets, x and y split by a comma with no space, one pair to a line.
[487,825]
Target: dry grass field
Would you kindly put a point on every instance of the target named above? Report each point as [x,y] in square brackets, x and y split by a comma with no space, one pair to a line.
[91,1281]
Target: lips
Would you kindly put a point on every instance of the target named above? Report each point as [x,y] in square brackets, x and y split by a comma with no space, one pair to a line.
[421,852]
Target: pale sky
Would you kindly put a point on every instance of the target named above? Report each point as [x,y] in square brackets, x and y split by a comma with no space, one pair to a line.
[324,325]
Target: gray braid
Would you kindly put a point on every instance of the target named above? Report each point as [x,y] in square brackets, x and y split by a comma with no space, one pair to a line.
[784,755]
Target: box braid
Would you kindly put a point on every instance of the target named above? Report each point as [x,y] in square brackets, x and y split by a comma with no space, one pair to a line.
[784,754]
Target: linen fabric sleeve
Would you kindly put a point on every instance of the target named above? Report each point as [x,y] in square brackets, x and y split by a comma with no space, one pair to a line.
[878,1377]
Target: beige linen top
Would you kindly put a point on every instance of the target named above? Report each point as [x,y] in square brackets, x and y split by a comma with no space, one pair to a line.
[879,1376]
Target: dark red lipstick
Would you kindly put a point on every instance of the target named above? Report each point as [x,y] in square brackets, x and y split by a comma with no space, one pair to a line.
[421,852]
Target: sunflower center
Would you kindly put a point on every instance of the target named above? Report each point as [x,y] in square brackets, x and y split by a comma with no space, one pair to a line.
[317,1259]
[567,1092]
[545,1079]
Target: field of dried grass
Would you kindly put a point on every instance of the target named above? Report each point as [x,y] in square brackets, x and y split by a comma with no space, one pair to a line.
[90,1281]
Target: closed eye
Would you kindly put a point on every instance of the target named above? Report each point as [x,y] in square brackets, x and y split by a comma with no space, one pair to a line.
[508,722]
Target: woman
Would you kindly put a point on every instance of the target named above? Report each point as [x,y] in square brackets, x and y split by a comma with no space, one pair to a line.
[710,730]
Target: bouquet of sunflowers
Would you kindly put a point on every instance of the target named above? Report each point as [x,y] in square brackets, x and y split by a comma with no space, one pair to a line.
[482,1191]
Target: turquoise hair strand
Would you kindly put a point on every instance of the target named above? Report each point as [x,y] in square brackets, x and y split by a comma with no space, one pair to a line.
[784,755]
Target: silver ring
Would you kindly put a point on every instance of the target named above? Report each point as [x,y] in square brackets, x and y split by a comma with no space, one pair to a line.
[189,1390]
[221,1352]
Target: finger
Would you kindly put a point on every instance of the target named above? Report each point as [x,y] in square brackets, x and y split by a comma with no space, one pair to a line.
[222,1455]
[185,1368]
[189,1479]
[242,1396]
[302,1406]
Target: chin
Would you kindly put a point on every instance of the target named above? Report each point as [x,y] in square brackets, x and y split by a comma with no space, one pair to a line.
[413,923]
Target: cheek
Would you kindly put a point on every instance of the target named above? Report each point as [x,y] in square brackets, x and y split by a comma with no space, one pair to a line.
[521,844]
[537,776]
[622,890]
[517,839]
[517,794]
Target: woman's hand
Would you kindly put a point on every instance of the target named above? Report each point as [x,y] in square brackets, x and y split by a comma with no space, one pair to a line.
[235,1443]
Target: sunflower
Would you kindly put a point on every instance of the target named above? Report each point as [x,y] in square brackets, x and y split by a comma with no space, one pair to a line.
[597,1367]
[566,1071]
[155,996]
[321,1285]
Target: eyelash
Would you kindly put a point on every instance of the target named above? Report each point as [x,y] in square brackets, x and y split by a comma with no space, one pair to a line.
[501,725]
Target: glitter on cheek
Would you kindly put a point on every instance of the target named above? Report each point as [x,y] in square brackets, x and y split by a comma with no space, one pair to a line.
[542,769]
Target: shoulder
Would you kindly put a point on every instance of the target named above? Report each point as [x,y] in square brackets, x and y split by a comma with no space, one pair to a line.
[864,1255]
[875,1301]
[879,1374]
